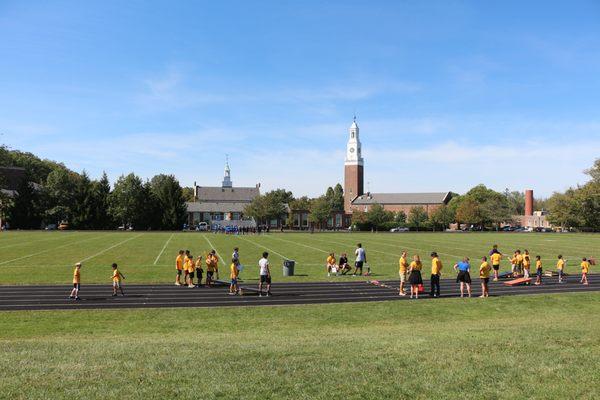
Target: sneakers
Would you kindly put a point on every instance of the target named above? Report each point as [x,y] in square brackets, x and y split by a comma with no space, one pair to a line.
[190,286]
[177,284]
[328,274]
[269,294]
[260,294]
[114,295]
[77,298]
[231,293]
[495,279]
[401,294]
[71,297]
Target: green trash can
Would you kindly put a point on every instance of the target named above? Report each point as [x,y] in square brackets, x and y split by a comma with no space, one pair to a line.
[288,267]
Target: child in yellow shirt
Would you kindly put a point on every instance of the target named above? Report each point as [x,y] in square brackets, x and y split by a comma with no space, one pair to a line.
[190,267]
[76,282]
[235,272]
[538,270]
[560,266]
[585,269]
[526,264]
[116,280]
[331,266]
[484,275]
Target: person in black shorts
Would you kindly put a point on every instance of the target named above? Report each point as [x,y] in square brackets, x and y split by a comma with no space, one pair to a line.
[265,274]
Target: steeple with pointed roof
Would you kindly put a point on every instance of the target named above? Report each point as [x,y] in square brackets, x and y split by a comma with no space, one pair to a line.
[227,178]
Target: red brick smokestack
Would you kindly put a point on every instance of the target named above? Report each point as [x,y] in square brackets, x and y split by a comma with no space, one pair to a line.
[528,202]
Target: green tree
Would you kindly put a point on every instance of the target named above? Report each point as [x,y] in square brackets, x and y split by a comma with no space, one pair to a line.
[26,211]
[268,206]
[127,202]
[84,203]
[441,217]
[60,195]
[417,217]
[320,211]
[101,218]
[378,217]
[400,218]
[468,211]
[594,171]
[170,200]
[188,194]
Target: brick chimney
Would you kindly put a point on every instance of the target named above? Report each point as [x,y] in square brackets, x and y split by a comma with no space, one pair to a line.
[528,202]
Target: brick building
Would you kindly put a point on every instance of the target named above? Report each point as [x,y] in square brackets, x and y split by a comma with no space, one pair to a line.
[356,199]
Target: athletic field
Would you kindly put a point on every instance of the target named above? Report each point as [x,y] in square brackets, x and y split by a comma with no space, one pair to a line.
[539,346]
[147,257]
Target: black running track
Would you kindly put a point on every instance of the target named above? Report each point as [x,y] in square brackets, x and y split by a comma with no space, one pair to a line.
[152,296]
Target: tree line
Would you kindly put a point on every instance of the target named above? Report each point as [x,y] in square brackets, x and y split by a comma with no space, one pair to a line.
[51,194]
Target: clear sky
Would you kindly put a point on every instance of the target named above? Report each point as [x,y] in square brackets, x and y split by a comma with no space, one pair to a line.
[448,94]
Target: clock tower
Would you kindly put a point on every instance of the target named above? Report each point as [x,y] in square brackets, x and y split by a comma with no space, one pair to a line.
[353,168]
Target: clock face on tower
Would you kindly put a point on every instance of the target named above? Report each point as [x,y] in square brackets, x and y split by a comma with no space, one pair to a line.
[351,149]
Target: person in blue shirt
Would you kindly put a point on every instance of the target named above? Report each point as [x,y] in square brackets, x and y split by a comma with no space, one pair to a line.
[464,277]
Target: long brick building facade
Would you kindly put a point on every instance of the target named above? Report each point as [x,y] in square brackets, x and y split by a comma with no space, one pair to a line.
[355,199]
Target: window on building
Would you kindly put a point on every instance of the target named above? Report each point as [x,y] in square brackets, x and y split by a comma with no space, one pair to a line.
[273,223]
[338,220]
[236,216]
[304,220]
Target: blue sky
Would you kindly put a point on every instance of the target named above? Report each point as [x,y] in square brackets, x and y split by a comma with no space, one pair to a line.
[448,94]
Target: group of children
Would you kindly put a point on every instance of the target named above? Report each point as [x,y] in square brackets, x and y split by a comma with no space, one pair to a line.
[342,267]
[409,273]
[116,277]
[185,265]
[520,266]
[190,269]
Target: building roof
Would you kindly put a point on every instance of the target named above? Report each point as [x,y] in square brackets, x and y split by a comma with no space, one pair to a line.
[213,206]
[402,198]
[220,194]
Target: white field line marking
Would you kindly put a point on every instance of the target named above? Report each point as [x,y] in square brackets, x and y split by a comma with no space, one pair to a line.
[163,249]
[54,248]
[264,247]
[110,248]
[21,243]
[215,249]
[301,244]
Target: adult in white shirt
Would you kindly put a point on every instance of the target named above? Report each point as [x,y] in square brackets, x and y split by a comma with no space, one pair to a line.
[361,259]
[265,274]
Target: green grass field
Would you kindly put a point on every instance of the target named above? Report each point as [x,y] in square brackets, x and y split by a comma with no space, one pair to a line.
[148,257]
[534,347]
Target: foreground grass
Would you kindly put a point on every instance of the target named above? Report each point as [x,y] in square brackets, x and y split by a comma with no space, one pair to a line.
[37,257]
[515,347]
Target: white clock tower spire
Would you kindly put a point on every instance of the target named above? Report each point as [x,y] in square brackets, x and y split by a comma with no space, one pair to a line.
[353,148]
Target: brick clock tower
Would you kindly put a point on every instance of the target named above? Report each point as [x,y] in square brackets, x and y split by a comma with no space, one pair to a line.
[353,169]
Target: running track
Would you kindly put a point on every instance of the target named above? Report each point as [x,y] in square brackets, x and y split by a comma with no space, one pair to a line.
[152,296]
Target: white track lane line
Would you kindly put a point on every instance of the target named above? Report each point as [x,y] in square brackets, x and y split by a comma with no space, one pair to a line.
[163,249]
[54,248]
[214,248]
[110,248]
[264,247]
[299,244]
